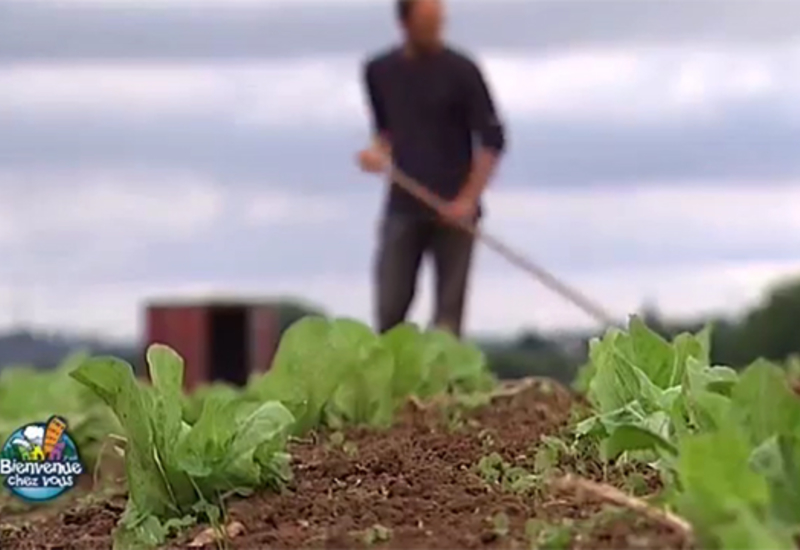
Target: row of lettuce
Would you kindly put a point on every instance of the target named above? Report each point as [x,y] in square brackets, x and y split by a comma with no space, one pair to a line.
[183,453]
[726,443]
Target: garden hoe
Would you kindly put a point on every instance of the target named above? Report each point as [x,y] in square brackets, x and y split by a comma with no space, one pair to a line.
[421,193]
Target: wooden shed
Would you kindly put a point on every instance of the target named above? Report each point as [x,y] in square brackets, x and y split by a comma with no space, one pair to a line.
[220,340]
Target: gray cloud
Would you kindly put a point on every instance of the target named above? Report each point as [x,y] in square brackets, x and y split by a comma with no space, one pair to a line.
[229,252]
[749,142]
[48,30]
[753,143]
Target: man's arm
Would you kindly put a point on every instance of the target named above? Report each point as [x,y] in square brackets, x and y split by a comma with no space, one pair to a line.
[379,123]
[486,125]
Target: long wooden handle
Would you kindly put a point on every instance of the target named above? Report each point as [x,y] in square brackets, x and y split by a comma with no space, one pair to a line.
[424,195]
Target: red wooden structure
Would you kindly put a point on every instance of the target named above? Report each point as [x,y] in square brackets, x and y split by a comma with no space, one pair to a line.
[219,340]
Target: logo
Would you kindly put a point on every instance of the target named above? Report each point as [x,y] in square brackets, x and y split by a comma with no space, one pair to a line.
[40,461]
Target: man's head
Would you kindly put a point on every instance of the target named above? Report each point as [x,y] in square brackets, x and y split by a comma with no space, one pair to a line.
[422,21]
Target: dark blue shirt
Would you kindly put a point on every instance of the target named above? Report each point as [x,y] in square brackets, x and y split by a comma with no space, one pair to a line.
[432,109]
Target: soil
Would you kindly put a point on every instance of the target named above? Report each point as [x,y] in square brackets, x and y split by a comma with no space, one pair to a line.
[414,486]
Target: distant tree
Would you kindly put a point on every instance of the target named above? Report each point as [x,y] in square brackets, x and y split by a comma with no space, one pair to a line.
[772,330]
[729,343]
[291,310]
[513,363]
[531,354]
[532,341]
[651,317]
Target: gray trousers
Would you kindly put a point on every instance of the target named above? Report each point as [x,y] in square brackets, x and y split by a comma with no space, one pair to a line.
[403,242]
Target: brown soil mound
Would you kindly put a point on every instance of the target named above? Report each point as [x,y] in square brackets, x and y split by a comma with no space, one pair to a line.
[414,486]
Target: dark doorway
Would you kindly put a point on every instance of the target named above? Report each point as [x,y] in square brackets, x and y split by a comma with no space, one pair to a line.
[230,345]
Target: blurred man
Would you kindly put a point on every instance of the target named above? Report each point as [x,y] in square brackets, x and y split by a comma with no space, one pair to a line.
[429,103]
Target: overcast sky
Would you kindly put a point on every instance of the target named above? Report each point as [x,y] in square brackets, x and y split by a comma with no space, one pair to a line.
[153,148]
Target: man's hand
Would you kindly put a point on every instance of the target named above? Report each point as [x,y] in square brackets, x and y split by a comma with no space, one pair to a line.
[373,160]
[459,210]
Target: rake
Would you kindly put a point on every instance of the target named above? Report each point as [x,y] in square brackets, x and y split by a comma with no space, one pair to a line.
[430,199]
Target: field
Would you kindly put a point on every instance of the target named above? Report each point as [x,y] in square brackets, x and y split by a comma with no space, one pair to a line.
[407,442]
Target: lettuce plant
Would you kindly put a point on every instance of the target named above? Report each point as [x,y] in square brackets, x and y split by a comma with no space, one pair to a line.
[335,371]
[174,468]
[28,394]
[183,452]
[729,441]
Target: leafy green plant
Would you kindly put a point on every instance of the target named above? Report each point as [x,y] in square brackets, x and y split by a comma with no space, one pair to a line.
[376,535]
[501,525]
[512,479]
[338,371]
[329,371]
[741,479]
[647,391]
[183,454]
[192,403]
[176,470]
[548,454]
[337,440]
[30,395]
[730,442]
[547,536]
[583,377]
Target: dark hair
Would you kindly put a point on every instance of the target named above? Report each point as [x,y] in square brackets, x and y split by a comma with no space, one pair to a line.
[404,8]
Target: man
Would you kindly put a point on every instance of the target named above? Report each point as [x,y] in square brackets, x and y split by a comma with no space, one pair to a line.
[429,103]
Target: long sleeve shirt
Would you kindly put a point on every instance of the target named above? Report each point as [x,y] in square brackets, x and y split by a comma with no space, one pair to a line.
[432,110]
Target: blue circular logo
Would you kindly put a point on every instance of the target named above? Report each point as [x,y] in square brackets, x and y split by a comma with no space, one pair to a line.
[40,461]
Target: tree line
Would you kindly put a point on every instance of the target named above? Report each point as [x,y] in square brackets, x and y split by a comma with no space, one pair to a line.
[771,330]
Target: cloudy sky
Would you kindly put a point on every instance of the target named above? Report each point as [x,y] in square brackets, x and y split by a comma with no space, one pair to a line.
[153,148]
